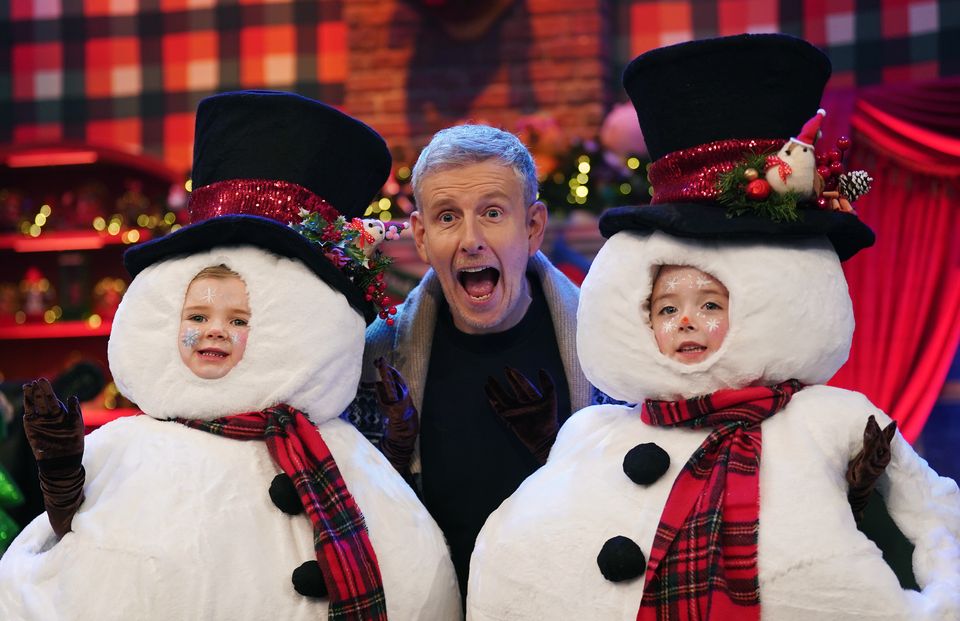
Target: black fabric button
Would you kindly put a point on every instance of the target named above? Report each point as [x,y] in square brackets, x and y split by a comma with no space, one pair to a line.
[621,559]
[645,463]
[284,495]
[308,580]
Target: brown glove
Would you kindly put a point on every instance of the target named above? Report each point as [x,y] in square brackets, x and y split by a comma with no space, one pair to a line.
[403,421]
[530,412]
[55,434]
[867,465]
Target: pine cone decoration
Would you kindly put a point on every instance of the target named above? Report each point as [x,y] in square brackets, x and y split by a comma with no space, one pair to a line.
[854,184]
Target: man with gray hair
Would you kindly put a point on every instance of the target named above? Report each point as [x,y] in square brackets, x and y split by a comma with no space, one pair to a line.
[490,313]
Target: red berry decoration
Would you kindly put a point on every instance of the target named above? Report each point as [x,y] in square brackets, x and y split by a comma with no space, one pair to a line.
[836,168]
[758,189]
[834,156]
[824,172]
[390,322]
[368,297]
[843,143]
[392,310]
[822,159]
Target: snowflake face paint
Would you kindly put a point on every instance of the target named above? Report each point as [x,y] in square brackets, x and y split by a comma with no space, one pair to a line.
[214,325]
[688,312]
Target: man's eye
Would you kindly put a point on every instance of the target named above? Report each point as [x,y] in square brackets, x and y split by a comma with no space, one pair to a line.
[494,212]
[446,218]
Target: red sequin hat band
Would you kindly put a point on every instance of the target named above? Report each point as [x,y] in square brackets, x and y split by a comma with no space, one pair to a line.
[278,200]
[691,175]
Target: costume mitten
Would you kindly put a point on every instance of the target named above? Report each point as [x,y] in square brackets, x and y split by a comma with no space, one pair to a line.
[530,412]
[55,434]
[867,465]
[403,421]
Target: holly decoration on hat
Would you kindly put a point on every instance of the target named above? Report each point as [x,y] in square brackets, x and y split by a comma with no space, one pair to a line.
[840,187]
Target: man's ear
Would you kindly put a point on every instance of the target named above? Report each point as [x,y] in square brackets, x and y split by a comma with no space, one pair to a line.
[416,225]
[536,226]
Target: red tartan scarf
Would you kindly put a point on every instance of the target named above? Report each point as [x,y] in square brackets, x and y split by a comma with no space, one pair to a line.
[704,560]
[344,552]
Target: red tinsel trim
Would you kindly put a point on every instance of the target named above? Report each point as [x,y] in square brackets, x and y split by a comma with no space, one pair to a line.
[277,200]
[691,175]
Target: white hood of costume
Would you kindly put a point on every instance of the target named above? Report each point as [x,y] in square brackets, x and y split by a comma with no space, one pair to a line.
[305,344]
[790,316]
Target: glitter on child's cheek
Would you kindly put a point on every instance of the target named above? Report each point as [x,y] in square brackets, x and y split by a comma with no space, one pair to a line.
[669,326]
[190,337]
[713,325]
[234,338]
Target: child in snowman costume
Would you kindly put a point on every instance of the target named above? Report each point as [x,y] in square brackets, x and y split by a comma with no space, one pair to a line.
[723,494]
[239,493]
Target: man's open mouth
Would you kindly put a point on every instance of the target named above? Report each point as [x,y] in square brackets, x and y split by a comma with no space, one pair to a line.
[214,354]
[479,282]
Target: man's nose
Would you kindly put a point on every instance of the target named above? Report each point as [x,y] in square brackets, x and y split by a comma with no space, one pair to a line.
[473,240]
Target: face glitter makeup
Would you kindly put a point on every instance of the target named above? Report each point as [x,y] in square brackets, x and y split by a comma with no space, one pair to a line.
[190,338]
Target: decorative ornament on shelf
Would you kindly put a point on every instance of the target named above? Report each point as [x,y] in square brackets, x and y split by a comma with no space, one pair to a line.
[107,294]
[36,298]
[793,176]
[353,247]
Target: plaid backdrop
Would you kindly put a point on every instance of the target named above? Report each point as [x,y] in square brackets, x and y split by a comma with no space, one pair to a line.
[868,41]
[130,72]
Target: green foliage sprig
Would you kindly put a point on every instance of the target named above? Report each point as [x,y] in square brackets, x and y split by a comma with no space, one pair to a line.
[733,195]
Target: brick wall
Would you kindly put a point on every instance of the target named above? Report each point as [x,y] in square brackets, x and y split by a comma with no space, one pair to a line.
[408,78]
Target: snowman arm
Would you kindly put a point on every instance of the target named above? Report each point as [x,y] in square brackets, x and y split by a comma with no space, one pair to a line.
[926,507]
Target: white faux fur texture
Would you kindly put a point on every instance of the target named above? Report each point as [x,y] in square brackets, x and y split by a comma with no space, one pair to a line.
[304,348]
[790,316]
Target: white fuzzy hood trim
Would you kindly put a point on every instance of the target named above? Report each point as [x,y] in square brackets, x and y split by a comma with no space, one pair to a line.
[790,316]
[305,345]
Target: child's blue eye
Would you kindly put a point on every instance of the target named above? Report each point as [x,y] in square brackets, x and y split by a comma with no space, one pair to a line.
[667,310]
[239,322]
[197,318]
[712,306]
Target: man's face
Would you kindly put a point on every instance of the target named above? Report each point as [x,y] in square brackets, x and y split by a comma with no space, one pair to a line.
[688,313]
[214,325]
[476,231]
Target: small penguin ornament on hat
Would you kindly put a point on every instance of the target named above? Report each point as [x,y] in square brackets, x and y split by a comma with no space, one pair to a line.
[239,493]
[721,487]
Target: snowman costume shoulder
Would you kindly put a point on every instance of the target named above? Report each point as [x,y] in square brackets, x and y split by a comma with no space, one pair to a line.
[177,523]
[790,317]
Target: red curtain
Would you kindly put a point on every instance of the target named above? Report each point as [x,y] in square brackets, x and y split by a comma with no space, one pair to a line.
[906,288]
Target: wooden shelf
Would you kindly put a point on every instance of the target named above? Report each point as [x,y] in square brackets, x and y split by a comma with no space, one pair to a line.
[58,330]
[57,241]
[97,417]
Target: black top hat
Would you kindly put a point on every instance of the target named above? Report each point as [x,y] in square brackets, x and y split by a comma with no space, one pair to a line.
[259,158]
[693,96]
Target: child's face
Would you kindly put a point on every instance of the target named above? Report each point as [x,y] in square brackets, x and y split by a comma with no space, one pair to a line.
[214,326]
[688,312]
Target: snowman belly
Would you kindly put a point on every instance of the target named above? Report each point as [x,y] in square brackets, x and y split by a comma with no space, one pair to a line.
[538,552]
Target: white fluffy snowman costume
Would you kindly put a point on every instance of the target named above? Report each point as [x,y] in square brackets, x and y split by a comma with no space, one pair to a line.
[790,317]
[177,522]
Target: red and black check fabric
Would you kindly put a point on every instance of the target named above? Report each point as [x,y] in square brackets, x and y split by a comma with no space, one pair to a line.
[344,552]
[704,559]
